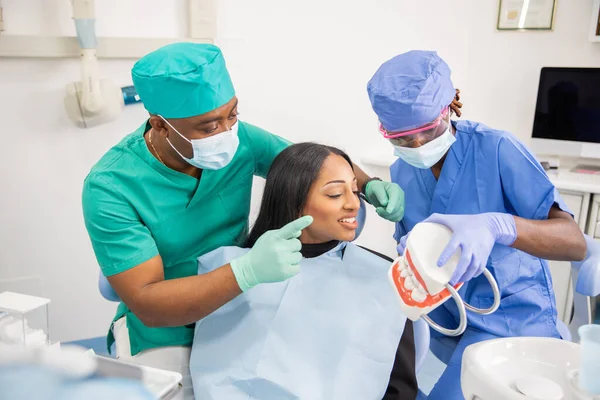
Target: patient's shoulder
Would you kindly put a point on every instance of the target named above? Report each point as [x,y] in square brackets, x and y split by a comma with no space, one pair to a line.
[218,257]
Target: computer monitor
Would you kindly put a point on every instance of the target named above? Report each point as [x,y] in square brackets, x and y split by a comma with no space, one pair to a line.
[567,113]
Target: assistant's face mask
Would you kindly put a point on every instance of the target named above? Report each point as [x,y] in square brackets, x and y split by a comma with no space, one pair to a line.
[429,154]
[213,152]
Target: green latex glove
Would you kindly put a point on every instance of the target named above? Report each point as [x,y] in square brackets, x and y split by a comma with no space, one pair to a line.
[387,198]
[275,256]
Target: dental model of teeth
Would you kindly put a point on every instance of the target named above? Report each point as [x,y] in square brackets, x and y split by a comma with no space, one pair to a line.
[419,283]
[411,283]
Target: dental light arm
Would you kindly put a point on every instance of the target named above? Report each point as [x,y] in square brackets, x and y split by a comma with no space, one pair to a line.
[85,24]
[91,101]
[91,95]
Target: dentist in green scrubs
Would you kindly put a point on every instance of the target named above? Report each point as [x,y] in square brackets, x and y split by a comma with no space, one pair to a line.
[179,187]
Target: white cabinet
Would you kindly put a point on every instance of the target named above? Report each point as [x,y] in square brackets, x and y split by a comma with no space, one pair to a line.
[593,229]
[561,270]
[578,203]
[586,209]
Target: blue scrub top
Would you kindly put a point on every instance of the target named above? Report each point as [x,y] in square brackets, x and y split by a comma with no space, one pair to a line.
[488,170]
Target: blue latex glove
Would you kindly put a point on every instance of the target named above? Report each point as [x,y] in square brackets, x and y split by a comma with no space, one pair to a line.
[387,198]
[402,245]
[475,235]
[274,257]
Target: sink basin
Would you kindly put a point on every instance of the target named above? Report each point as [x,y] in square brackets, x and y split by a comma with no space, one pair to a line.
[519,368]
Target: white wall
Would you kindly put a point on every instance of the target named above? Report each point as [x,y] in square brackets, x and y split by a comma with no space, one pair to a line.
[300,70]
[504,67]
[45,159]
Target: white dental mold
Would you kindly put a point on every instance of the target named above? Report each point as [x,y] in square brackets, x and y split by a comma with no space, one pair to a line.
[422,286]
[419,282]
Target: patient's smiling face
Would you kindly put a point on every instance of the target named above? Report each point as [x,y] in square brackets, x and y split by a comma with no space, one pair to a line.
[333,203]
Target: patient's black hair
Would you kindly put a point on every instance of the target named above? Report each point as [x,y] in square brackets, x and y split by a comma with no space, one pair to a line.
[289,180]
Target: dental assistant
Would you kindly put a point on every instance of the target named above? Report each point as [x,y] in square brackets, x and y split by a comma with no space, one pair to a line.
[487,187]
[177,188]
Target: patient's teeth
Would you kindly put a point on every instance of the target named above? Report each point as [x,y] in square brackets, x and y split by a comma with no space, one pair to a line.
[405,272]
[409,284]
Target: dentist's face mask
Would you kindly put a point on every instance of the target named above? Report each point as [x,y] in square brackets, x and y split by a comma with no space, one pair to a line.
[213,152]
[437,136]
[429,154]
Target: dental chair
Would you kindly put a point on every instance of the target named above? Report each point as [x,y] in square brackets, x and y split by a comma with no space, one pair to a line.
[420,327]
[106,290]
[585,278]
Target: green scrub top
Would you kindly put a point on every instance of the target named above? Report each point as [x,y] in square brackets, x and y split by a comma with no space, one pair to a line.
[136,208]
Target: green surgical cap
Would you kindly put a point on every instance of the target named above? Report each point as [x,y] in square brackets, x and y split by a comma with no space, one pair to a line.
[183,80]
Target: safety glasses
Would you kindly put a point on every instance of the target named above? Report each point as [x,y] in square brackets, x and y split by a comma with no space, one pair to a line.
[430,126]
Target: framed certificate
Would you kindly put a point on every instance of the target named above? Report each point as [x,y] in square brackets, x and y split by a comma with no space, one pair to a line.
[526,14]
[595,28]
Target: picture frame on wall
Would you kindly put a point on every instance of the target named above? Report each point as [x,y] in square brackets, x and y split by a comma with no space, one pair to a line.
[595,24]
[517,15]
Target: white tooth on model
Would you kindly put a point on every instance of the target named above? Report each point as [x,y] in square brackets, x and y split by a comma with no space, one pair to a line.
[401,266]
[414,280]
[405,272]
[408,284]
[417,295]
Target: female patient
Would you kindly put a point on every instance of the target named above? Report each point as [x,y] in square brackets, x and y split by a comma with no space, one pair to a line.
[330,332]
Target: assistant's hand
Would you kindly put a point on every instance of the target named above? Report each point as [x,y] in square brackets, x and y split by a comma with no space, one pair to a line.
[387,198]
